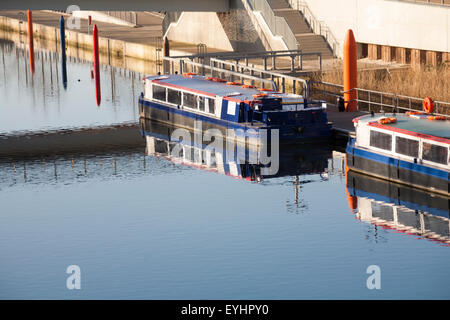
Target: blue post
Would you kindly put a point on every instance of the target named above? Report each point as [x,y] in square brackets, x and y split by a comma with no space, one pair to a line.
[63,51]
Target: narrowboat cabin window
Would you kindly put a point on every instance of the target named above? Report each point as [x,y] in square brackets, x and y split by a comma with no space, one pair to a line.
[380,140]
[211,105]
[434,153]
[189,100]
[159,93]
[174,96]
[407,147]
[201,104]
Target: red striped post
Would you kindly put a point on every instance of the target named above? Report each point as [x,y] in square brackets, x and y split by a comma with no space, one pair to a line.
[30,39]
[96,66]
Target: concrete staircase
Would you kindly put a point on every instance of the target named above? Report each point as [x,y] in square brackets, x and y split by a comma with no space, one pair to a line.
[307,40]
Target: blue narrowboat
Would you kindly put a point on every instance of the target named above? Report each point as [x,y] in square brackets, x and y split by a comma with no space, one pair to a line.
[187,98]
[411,149]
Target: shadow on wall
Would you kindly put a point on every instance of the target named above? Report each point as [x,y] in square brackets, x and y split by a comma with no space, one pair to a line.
[239,28]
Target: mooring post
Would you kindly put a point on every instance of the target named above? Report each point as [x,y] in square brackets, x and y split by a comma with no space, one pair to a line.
[350,72]
[96,66]
[30,39]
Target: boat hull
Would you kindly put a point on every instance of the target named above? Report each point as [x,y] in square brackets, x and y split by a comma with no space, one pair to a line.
[397,170]
[311,133]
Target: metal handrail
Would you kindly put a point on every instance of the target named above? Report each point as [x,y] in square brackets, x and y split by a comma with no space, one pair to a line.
[232,54]
[127,16]
[271,74]
[264,55]
[317,26]
[386,99]
[277,25]
[169,18]
[184,65]
[445,3]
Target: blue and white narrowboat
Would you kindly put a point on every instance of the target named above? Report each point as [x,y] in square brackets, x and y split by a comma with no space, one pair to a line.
[184,99]
[411,149]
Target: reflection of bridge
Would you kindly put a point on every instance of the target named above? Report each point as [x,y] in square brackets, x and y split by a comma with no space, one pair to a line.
[135,5]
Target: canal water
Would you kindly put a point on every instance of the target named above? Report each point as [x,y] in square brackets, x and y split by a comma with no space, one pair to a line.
[141,225]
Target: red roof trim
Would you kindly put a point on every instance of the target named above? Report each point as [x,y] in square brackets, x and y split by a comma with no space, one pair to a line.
[411,133]
[184,88]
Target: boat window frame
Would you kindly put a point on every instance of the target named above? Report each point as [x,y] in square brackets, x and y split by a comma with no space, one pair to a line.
[183,92]
[198,110]
[158,85]
[167,96]
[384,132]
[440,144]
[409,137]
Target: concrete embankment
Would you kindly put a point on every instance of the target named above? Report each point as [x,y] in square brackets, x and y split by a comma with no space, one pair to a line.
[71,141]
[121,46]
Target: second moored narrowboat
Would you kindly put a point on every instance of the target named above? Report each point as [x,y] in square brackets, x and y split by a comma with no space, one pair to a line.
[411,149]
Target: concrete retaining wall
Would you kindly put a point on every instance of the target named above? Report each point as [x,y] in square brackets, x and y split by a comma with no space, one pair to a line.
[111,47]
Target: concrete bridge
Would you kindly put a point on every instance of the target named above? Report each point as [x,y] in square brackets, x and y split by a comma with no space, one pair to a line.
[134,5]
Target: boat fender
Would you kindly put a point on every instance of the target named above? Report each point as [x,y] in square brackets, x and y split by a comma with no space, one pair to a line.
[189,74]
[233,83]
[413,113]
[259,95]
[215,79]
[387,120]
[436,118]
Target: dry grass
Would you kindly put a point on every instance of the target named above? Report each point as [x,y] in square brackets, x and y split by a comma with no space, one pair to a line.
[432,82]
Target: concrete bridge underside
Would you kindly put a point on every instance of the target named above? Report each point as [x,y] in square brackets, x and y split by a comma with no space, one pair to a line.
[118,5]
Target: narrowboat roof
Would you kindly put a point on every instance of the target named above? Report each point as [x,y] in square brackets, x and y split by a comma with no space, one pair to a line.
[417,126]
[200,84]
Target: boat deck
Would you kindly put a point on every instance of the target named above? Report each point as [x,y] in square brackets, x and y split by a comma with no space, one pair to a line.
[420,125]
[199,84]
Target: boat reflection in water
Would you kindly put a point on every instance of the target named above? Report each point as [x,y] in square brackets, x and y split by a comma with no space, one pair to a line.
[399,207]
[244,161]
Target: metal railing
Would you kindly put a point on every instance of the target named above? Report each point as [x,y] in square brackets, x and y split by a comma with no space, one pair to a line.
[296,57]
[277,25]
[128,16]
[173,65]
[169,18]
[370,100]
[317,26]
[432,2]
[284,82]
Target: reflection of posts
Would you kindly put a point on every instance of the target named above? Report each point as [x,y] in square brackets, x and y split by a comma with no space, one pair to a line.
[96,66]
[63,51]
[30,40]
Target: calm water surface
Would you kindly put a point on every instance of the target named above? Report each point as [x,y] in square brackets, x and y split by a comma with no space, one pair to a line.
[143,227]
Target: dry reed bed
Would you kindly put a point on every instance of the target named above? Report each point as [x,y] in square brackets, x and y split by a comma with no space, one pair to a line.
[420,83]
